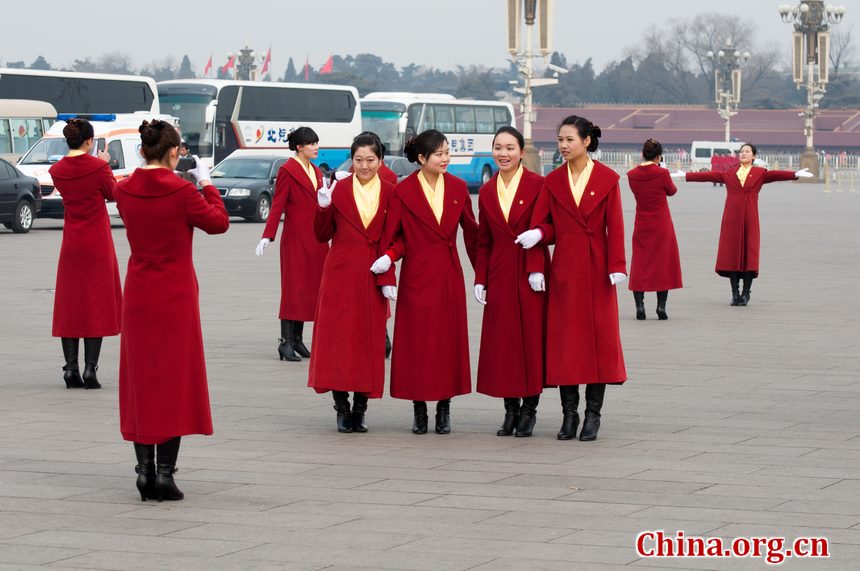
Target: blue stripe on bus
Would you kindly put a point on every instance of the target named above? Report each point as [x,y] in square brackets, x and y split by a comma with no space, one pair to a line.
[472,171]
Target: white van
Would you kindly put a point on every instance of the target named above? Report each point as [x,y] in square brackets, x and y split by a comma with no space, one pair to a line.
[116,133]
[22,123]
[702,151]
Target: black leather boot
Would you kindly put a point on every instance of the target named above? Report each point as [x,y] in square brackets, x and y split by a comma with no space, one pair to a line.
[745,294]
[735,280]
[387,345]
[344,415]
[92,350]
[662,296]
[528,416]
[286,349]
[593,404]
[569,403]
[639,298]
[145,470]
[512,417]
[443,416]
[71,372]
[298,328]
[419,426]
[359,407]
[165,486]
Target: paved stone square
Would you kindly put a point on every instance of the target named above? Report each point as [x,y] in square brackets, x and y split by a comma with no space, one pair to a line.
[735,422]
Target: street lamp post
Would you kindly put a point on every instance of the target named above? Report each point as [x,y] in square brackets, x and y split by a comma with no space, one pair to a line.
[727,82]
[246,66]
[810,53]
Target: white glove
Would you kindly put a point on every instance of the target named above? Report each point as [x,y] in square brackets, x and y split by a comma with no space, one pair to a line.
[201,171]
[536,280]
[678,174]
[529,238]
[324,194]
[261,247]
[480,294]
[662,165]
[616,279]
[804,173]
[340,175]
[381,265]
[389,293]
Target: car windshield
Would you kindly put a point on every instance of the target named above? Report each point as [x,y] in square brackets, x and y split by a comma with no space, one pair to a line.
[46,152]
[243,168]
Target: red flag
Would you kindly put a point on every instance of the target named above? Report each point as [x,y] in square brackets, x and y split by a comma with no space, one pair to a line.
[229,65]
[326,68]
[266,61]
[208,68]
[307,68]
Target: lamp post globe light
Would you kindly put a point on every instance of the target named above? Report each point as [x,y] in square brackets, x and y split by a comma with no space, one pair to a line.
[809,62]
[727,81]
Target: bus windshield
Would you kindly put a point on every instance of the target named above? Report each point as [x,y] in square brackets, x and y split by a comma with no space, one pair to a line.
[386,124]
[46,152]
[190,108]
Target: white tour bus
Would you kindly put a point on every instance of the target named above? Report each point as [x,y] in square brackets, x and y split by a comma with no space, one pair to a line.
[222,116]
[468,124]
[22,123]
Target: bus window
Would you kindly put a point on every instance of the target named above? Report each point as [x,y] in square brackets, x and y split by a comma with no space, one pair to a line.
[5,138]
[25,133]
[413,117]
[465,119]
[443,118]
[484,120]
[503,117]
[117,160]
[703,153]
[80,94]
[299,105]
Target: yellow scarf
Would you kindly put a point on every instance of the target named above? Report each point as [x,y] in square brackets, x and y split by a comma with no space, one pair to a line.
[366,198]
[507,193]
[743,173]
[75,153]
[435,196]
[578,189]
[309,170]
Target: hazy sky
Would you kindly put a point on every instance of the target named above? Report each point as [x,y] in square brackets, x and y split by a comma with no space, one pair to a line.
[440,33]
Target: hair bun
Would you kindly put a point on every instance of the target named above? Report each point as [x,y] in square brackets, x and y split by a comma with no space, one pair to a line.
[410,150]
[595,131]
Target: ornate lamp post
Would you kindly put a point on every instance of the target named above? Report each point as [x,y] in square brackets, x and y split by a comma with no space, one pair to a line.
[727,82]
[246,66]
[810,53]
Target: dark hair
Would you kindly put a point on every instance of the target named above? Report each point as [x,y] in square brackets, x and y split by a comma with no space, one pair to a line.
[368,139]
[77,131]
[511,131]
[157,138]
[184,144]
[751,146]
[302,136]
[585,128]
[427,143]
[651,150]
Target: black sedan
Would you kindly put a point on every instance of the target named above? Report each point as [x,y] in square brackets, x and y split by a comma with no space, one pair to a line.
[20,198]
[247,184]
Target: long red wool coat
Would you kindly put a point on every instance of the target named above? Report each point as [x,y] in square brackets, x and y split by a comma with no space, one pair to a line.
[430,360]
[162,373]
[583,344]
[740,234]
[511,362]
[302,255]
[88,298]
[349,328]
[655,264]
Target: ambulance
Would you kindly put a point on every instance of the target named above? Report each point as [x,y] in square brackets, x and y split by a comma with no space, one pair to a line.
[116,133]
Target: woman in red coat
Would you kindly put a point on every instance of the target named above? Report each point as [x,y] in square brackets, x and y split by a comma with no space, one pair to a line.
[88,298]
[655,264]
[579,210]
[302,255]
[430,360]
[163,393]
[740,239]
[510,365]
[349,330]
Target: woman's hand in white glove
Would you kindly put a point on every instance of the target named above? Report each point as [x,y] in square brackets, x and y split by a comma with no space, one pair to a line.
[201,172]
[481,294]
[537,281]
[381,265]
[529,238]
[389,292]
[617,278]
[261,247]
[324,194]
[804,173]
[678,174]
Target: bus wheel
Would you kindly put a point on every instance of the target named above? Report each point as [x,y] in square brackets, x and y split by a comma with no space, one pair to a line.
[486,174]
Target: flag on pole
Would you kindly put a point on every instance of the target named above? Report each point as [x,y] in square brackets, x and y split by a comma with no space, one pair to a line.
[329,63]
[266,63]
[208,68]
[307,67]
[231,63]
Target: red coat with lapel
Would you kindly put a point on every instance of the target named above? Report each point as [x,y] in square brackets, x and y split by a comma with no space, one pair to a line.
[513,331]
[655,264]
[88,298]
[430,360]
[583,342]
[740,234]
[349,327]
[302,255]
[162,372]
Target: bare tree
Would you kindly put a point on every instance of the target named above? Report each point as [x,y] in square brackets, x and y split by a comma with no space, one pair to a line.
[842,50]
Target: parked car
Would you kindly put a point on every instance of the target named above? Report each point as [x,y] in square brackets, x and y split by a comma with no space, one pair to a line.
[247,183]
[400,165]
[20,198]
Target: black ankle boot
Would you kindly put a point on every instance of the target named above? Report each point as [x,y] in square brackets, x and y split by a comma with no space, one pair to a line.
[735,280]
[71,372]
[145,470]
[569,403]
[387,345]
[593,403]
[165,486]
[298,344]
[639,298]
[745,294]
[359,407]
[528,416]
[419,426]
[662,296]
[443,416]
[512,417]
[286,349]
[92,350]
[344,416]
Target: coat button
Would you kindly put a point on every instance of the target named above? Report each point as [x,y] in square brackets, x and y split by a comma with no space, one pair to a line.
[456,202]
[591,193]
[521,202]
[370,242]
[589,231]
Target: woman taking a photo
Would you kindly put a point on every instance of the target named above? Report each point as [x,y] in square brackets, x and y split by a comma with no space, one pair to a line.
[349,331]
[510,365]
[430,361]
[163,394]
[302,255]
[88,298]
